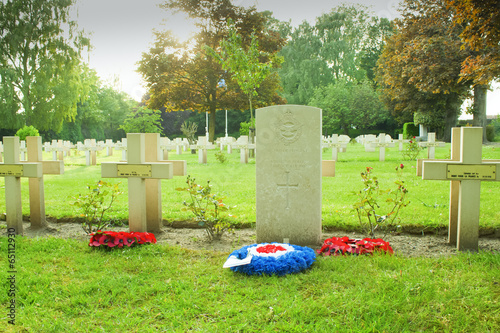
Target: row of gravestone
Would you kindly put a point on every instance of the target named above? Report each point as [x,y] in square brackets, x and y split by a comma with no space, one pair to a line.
[288,178]
[60,148]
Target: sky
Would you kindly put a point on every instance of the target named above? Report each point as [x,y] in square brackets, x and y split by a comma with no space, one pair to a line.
[121,30]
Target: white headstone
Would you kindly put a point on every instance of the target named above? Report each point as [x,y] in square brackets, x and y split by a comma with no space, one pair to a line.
[288,174]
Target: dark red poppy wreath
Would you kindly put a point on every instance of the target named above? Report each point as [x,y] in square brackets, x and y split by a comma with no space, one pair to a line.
[270,259]
[337,246]
[112,239]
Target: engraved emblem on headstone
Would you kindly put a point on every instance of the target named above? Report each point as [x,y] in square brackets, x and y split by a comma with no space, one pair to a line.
[288,129]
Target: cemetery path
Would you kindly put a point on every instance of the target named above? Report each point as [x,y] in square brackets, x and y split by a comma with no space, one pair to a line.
[404,244]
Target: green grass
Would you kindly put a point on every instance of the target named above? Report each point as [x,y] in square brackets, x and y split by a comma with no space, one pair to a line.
[65,286]
[236,182]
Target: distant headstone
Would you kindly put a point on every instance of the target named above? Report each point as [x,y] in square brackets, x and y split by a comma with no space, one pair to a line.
[384,141]
[334,143]
[288,174]
[400,140]
[1,151]
[109,145]
[431,144]
[465,175]
[13,170]
[122,145]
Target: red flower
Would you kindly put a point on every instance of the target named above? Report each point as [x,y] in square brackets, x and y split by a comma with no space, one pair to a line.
[270,248]
[120,239]
[402,166]
[340,246]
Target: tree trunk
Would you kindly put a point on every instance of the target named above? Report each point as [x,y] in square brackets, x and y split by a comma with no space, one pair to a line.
[479,119]
[449,122]
[211,124]
[251,129]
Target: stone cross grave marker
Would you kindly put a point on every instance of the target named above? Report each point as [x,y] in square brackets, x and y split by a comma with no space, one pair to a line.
[465,175]
[400,141]
[137,170]
[431,145]
[202,145]
[288,174]
[23,149]
[166,145]
[122,145]
[12,169]
[244,145]
[90,147]
[109,145]
[36,187]
[334,143]
[367,141]
[382,143]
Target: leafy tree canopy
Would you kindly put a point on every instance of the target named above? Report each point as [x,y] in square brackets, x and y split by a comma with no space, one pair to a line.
[480,20]
[419,69]
[39,63]
[183,76]
[349,105]
[143,120]
[343,45]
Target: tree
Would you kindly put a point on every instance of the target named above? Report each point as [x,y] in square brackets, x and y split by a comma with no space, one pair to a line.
[249,67]
[480,21]
[143,120]
[183,77]
[349,105]
[39,63]
[419,69]
[343,45]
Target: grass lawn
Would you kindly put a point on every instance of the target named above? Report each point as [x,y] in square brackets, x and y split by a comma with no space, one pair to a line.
[62,285]
[428,209]
[65,286]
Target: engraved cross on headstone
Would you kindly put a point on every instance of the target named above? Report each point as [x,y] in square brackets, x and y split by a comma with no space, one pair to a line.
[287,187]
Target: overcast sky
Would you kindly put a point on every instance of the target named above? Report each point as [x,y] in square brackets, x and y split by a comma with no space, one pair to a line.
[121,30]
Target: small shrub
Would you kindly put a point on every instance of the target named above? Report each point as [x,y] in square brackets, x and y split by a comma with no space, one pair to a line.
[95,204]
[245,127]
[411,150]
[490,133]
[207,208]
[25,131]
[410,130]
[370,202]
[221,156]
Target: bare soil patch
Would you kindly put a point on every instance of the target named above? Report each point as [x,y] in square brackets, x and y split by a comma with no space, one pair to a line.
[196,239]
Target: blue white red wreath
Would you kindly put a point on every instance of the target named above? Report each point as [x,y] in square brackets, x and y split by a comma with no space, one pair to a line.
[271,259]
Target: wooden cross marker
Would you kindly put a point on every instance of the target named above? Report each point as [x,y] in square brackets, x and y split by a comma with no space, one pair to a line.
[36,188]
[13,170]
[138,170]
[431,145]
[465,173]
